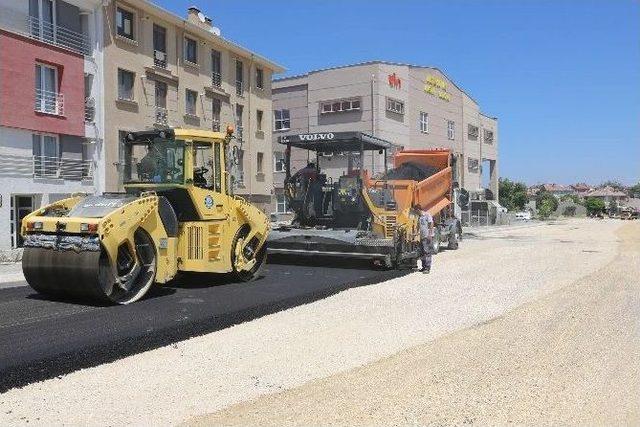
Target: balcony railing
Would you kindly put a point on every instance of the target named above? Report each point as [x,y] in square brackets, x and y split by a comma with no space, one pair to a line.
[239,88]
[215,126]
[58,35]
[160,59]
[49,102]
[216,79]
[45,167]
[89,110]
[162,117]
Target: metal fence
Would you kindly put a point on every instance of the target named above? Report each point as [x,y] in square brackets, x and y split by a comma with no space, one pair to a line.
[89,110]
[162,116]
[484,218]
[58,35]
[45,167]
[49,102]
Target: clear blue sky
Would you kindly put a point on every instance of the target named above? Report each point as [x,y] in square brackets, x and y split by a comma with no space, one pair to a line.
[563,77]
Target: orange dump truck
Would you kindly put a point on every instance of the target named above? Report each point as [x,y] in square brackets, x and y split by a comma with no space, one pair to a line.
[424,178]
[348,214]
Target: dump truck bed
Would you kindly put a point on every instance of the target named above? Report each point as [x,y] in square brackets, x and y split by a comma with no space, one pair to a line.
[433,193]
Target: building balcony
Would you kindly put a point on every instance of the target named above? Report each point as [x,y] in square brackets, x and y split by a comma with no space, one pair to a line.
[239,88]
[49,102]
[160,59]
[162,116]
[215,126]
[216,79]
[58,35]
[89,110]
[46,167]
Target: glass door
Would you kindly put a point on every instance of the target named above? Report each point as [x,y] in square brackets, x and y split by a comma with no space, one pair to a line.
[46,82]
[22,206]
[46,155]
[42,16]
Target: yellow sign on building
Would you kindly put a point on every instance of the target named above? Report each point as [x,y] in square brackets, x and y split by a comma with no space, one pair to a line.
[437,87]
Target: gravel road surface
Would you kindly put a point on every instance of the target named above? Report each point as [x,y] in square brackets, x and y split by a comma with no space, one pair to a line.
[570,358]
[192,381]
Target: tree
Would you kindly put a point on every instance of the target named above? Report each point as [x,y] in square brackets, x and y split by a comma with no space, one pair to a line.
[635,190]
[513,195]
[543,196]
[572,198]
[594,205]
[613,206]
[546,208]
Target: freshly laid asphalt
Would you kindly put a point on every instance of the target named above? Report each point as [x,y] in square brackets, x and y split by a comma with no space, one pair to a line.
[42,338]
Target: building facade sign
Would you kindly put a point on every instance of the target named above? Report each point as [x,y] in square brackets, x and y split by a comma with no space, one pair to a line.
[437,87]
[395,81]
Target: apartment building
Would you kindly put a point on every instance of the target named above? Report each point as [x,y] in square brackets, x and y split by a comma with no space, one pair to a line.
[51,126]
[412,106]
[166,71]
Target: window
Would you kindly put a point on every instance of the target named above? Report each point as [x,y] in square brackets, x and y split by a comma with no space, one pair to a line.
[260,162]
[451,129]
[125,84]
[161,103]
[424,122]
[216,106]
[473,165]
[472,132]
[216,68]
[259,120]
[281,203]
[46,155]
[48,100]
[259,78]
[278,162]
[42,19]
[190,50]
[339,106]
[239,77]
[161,94]
[239,113]
[124,23]
[191,102]
[159,46]
[282,120]
[395,106]
[488,136]
[241,167]
[204,169]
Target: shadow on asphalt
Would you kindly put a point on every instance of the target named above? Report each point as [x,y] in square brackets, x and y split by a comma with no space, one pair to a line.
[156,291]
[325,262]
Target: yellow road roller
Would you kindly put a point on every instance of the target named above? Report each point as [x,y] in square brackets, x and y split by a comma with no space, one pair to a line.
[177,214]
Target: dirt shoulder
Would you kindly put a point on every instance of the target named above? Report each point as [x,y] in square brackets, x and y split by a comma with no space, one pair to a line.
[570,358]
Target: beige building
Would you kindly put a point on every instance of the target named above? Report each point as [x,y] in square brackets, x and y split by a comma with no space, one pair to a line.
[165,71]
[415,107]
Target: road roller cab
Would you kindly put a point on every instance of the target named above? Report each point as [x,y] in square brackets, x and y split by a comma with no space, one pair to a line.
[177,213]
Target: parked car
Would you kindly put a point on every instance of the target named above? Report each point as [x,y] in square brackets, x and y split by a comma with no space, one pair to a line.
[523,216]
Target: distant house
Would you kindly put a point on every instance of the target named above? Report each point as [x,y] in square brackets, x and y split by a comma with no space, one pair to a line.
[581,188]
[557,190]
[608,194]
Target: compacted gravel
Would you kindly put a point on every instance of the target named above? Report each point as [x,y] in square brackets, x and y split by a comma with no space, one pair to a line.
[571,358]
[492,274]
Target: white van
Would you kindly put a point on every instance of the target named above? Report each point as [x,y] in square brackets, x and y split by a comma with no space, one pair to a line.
[524,215]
